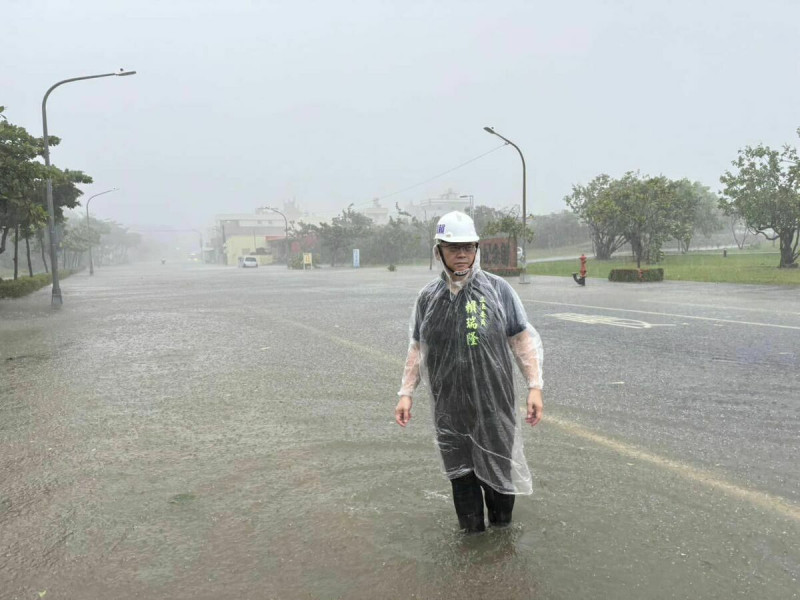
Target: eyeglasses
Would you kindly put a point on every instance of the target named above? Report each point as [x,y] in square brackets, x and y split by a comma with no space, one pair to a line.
[469,248]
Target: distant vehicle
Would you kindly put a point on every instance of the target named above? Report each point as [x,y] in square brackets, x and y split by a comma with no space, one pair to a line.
[248,261]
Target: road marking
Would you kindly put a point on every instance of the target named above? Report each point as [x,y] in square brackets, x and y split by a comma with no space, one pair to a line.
[661,314]
[715,307]
[763,499]
[606,320]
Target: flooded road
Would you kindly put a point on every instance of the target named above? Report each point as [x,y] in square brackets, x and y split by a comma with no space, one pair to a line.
[206,432]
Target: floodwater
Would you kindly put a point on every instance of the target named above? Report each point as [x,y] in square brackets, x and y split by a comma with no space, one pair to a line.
[188,431]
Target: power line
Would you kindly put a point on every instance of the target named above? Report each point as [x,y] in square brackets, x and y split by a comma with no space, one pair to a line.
[464,164]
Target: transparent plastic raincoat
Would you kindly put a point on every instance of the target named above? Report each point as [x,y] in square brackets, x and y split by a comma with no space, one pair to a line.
[464,338]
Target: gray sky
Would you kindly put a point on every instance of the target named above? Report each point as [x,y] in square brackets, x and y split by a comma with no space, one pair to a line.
[243,103]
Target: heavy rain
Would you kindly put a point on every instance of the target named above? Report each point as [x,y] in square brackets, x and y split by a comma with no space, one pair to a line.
[399,300]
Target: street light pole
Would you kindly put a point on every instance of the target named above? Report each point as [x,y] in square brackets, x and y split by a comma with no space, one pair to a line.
[286,233]
[88,227]
[429,230]
[56,299]
[523,278]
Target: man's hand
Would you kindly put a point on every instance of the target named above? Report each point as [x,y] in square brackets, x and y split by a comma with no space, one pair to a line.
[535,407]
[402,413]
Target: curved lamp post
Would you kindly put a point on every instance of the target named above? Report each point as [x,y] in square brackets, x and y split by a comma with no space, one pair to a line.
[88,228]
[523,278]
[286,233]
[51,215]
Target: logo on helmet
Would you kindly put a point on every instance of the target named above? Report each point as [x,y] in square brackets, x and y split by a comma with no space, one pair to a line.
[440,229]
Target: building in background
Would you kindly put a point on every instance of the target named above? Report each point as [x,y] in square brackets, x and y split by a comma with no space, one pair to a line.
[438,206]
[256,234]
[379,214]
[247,234]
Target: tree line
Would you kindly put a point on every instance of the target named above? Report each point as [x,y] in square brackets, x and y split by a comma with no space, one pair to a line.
[644,212]
[23,204]
[408,239]
[761,193]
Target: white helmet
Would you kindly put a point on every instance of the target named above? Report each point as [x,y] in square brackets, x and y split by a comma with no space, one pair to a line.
[456,227]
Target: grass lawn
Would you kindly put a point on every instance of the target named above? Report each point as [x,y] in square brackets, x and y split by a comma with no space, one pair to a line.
[738,267]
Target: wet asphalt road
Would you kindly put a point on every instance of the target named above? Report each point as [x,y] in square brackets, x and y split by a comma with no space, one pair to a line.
[188,431]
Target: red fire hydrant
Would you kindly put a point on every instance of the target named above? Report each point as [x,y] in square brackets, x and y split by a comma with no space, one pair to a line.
[582,279]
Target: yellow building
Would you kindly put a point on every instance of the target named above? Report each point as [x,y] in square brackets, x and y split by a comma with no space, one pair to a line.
[237,246]
[261,234]
[248,235]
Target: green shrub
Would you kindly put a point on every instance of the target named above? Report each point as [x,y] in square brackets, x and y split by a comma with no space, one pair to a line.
[392,268]
[10,288]
[636,275]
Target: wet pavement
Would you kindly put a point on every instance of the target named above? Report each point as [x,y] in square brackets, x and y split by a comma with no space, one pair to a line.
[192,431]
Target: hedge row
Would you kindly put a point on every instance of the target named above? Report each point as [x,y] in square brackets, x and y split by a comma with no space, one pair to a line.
[636,275]
[16,288]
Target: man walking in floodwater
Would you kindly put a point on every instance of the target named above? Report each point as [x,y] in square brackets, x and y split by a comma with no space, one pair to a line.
[466,327]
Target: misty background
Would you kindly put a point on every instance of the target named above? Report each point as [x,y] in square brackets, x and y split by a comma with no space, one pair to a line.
[238,104]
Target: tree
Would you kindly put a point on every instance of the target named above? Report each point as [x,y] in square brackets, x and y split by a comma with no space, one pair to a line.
[650,212]
[22,188]
[19,172]
[559,229]
[394,240]
[425,231]
[483,215]
[764,190]
[77,238]
[510,224]
[698,212]
[115,242]
[739,228]
[595,208]
[343,231]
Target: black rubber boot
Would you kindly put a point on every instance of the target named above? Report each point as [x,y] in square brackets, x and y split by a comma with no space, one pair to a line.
[468,501]
[500,506]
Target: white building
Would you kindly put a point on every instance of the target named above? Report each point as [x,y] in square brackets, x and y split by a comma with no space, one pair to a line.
[438,206]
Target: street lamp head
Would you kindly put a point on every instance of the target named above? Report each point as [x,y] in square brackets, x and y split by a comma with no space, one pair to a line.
[489,130]
[123,73]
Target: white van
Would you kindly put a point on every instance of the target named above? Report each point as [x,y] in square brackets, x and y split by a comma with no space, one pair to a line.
[248,261]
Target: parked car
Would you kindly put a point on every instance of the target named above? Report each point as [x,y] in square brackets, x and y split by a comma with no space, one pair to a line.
[248,261]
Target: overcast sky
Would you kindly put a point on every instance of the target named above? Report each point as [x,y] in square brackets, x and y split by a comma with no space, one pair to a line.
[238,103]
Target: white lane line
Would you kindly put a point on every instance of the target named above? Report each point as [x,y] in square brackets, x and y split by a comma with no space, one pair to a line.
[662,314]
[762,499]
[715,307]
[686,471]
